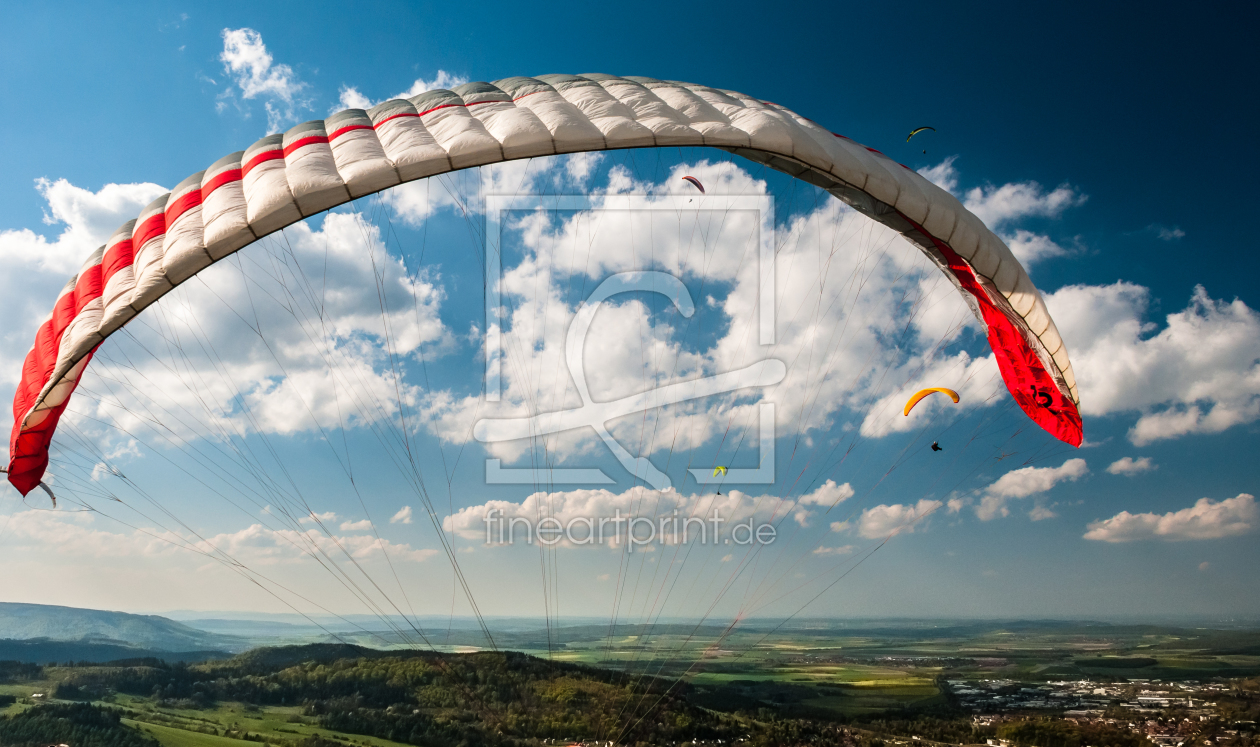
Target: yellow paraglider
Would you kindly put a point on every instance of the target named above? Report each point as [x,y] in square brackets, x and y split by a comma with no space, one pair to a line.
[917,130]
[925,392]
[719,471]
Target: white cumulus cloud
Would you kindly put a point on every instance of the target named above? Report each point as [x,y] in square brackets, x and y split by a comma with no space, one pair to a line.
[842,550]
[1041,513]
[1024,482]
[580,511]
[885,520]
[1206,519]
[1000,207]
[258,76]
[402,517]
[1129,466]
[1199,374]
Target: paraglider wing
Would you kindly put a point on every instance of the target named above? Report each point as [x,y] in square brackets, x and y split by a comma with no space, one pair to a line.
[48,490]
[917,130]
[719,471]
[694,181]
[43,485]
[318,165]
[914,399]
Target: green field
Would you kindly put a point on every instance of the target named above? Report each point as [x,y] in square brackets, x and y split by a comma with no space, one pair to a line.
[190,728]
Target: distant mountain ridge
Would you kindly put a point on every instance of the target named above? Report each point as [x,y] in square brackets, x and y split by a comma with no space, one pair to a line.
[151,632]
[44,651]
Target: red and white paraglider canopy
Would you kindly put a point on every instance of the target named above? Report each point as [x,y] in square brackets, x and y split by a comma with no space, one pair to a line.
[318,165]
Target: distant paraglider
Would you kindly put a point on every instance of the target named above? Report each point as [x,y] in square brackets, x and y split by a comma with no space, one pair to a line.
[925,392]
[937,447]
[694,181]
[719,471]
[916,131]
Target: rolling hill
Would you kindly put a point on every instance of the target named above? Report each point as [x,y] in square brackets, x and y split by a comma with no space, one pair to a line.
[20,622]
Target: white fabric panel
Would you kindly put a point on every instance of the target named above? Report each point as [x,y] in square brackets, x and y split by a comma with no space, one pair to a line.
[965,241]
[689,104]
[1007,275]
[668,126]
[886,177]
[412,149]
[151,282]
[720,100]
[81,335]
[594,101]
[942,213]
[1052,339]
[841,163]
[1038,318]
[624,133]
[802,146]
[224,217]
[1024,297]
[312,172]
[817,140]
[269,205]
[703,117]
[912,201]
[463,137]
[38,414]
[845,164]
[521,134]
[613,119]
[719,135]
[571,131]
[875,180]
[184,254]
[1068,377]
[55,394]
[1061,360]
[183,251]
[360,158]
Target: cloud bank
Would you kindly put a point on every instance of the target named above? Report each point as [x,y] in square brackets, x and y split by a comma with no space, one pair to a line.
[1205,520]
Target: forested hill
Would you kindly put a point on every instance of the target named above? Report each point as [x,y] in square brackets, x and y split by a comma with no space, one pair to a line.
[28,621]
[485,699]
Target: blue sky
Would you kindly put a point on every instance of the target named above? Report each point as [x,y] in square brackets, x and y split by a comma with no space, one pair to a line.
[1110,145]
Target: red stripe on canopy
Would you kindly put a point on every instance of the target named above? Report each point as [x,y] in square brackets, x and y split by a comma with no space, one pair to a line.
[231,175]
[303,142]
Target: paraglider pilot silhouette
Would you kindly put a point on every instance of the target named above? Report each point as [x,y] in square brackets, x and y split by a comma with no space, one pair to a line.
[597,414]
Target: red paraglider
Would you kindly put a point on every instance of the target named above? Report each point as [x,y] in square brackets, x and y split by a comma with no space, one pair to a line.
[694,181]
